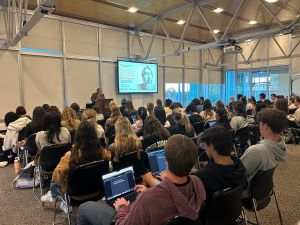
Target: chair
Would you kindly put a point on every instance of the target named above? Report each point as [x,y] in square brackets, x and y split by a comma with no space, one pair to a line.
[261,189]
[49,158]
[224,207]
[30,149]
[198,127]
[254,133]
[83,180]
[72,134]
[241,140]
[140,165]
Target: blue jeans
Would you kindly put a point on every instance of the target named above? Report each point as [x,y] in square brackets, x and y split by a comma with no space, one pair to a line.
[56,190]
[95,213]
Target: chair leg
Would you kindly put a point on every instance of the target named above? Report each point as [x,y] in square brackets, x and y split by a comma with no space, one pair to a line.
[54,210]
[36,169]
[244,216]
[278,209]
[68,202]
[255,210]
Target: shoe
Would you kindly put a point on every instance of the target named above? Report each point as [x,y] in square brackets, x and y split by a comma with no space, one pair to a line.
[63,207]
[47,197]
[3,164]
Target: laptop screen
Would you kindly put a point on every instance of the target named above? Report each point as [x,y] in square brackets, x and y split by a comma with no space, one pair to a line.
[211,123]
[157,161]
[118,183]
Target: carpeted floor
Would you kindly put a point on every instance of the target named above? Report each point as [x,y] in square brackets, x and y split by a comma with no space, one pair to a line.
[20,207]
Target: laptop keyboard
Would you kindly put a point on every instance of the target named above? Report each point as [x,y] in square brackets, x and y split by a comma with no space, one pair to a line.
[131,197]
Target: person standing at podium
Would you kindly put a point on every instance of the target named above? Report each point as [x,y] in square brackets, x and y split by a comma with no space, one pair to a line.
[98,95]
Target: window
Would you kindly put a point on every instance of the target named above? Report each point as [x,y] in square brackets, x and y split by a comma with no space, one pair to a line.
[191,91]
[173,91]
[229,85]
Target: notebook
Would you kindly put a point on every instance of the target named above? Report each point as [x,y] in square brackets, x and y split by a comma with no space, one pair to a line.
[119,184]
[157,161]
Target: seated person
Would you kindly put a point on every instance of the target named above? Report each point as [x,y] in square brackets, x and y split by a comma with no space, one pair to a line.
[69,119]
[130,111]
[181,124]
[222,171]
[194,117]
[90,116]
[294,119]
[37,123]
[208,114]
[271,150]
[86,149]
[222,119]
[137,126]
[167,108]
[178,193]
[125,140]
[160,113]
[153,132]
[240,119]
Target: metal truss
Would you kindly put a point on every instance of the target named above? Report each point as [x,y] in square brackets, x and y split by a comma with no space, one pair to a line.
[227,37]
[16,23]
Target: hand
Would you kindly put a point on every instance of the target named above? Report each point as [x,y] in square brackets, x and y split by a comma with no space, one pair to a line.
[119,202]
[162,175]
[139,188]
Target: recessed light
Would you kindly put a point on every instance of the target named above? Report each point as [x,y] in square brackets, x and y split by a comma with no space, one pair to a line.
[216,31]
[271,1]
[180,22]
[132,9]
[218,10]
[252,22]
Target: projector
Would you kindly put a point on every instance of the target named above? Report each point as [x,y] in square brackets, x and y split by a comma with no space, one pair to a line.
[234,49]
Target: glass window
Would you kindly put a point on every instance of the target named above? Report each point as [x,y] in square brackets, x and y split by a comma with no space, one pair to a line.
[191,91]
[229,85]
[214,91]
[260,83]
[243,83]
[173,91]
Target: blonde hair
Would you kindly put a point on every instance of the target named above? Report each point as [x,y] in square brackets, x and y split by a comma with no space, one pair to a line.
[112,104]
[125,140]
[69,115]
[183,120]
[90,116]
[115,114]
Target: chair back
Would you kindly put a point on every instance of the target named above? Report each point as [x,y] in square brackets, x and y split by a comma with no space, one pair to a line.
[240,140]
[224,207]
[31,145]
[87,178]
[72,134]
[51,155]
[262,184]
[254,133]
[198,127]
[140,165]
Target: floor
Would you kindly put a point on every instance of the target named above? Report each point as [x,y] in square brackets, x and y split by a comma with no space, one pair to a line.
[20,207]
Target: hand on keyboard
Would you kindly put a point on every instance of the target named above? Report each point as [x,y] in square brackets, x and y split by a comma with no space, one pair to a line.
[139,188]
[121,201]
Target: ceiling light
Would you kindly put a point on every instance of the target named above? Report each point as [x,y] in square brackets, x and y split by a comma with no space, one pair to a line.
[132,9]
[180,22]
[252,22]
[218,10]
[216,31]
[271,1]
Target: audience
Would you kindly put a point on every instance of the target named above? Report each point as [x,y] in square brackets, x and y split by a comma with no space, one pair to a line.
[150,109]
[240,119]
[21,112]
[222,119]
[179,194]
[76,108]
[208,114]
[90,116]
[181,124]
[167,108]
[294,119]
[69,119]
[153,132]
[125,140]
[141,116]
[130,111]
[194,115]
[37,123]
[271,150]
[222,171]
[160,113]
[86,149]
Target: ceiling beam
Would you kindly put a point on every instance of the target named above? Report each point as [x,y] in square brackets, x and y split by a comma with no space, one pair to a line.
[172,11]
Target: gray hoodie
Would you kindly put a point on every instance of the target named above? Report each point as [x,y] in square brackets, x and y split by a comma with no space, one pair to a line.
[263,156]
[162,202]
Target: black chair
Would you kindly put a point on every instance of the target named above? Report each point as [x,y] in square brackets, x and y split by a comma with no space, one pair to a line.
[84,180]
[49,158]
[198,127]
[29,150]
[261,190]
[224,207]
[140,165]
[254,133]
[241,140]
[72,134]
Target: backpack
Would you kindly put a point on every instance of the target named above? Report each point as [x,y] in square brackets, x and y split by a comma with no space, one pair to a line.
[25,180]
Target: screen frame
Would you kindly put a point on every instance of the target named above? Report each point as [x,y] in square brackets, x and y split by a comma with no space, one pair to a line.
[140,92]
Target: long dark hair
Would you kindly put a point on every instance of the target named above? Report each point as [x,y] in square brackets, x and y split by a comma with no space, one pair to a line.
[240,109]
[142,113]
[38,115]
[86,146]
[152,126]
[52,122]
[223,120]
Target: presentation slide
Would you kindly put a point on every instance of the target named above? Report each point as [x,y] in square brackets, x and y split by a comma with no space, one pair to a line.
[137,77]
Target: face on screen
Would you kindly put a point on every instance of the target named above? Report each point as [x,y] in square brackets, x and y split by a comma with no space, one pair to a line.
[147,76]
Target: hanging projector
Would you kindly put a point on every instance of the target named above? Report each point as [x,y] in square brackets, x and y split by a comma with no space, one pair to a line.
[233,49]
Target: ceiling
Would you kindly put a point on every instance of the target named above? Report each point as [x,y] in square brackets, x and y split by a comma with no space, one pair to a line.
[114,12]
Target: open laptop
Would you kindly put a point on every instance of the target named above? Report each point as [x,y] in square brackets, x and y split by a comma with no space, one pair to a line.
[157,161]
[211,123]
[119,184]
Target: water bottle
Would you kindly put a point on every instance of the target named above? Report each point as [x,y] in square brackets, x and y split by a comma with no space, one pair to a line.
[17,165]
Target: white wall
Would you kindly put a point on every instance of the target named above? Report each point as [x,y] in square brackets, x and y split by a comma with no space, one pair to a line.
[82,57]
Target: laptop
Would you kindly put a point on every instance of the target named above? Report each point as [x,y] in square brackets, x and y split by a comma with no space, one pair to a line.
[211,123]
[157,161]
[119,184]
